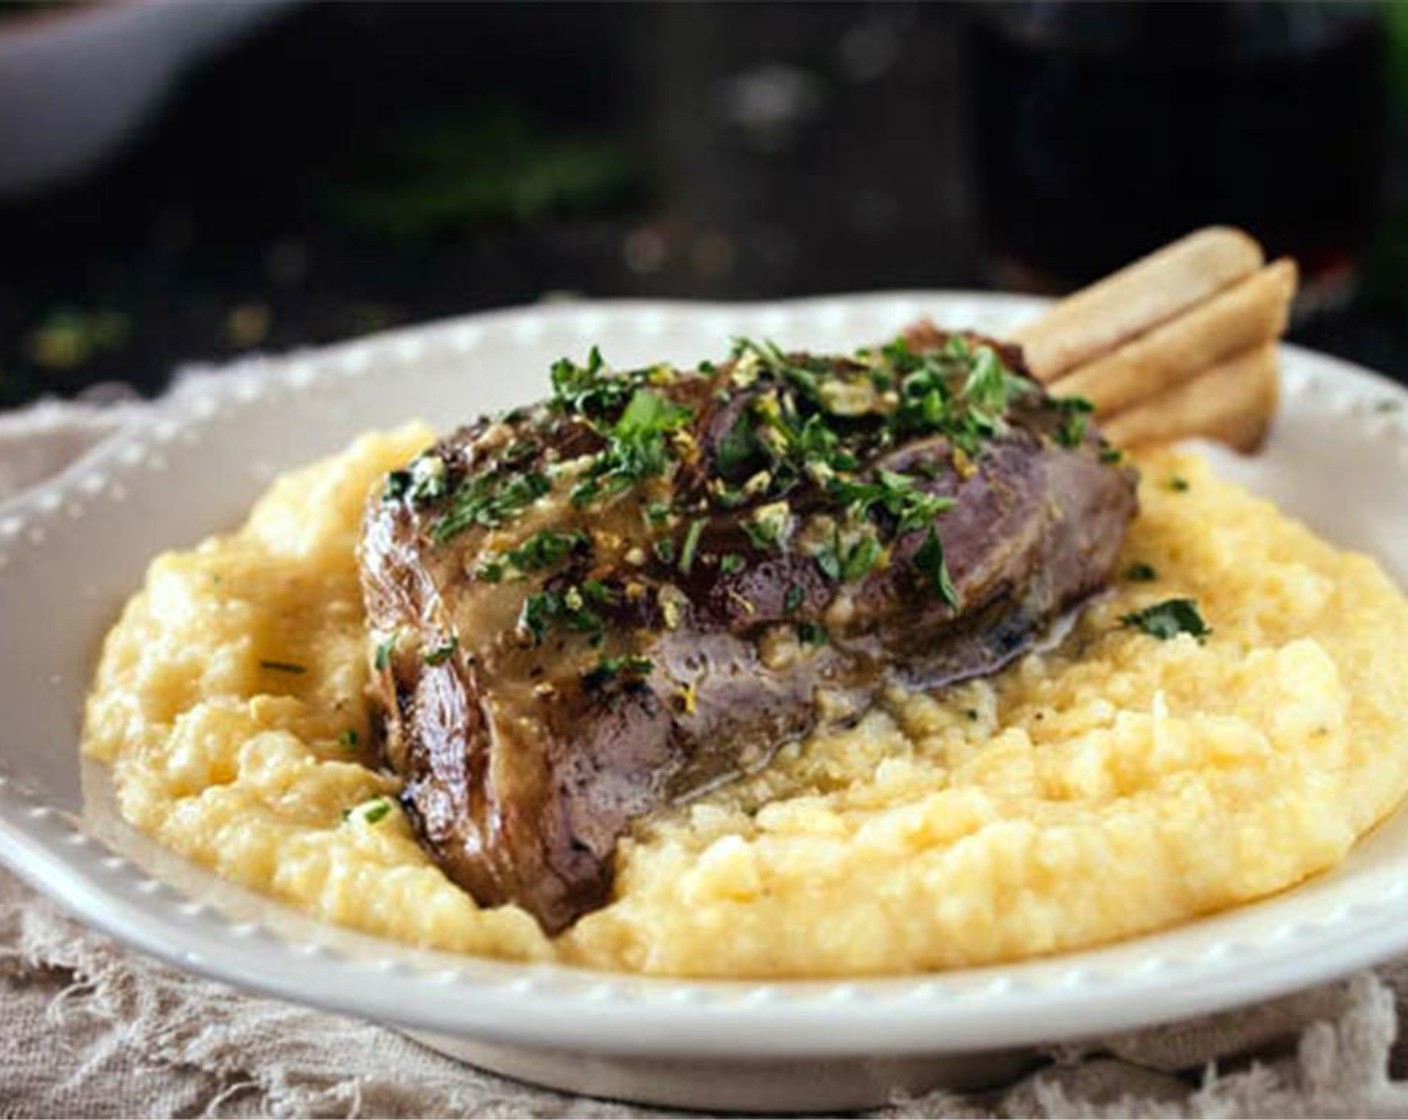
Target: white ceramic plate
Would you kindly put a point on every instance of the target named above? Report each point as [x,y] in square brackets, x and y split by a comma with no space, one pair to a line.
[73,550]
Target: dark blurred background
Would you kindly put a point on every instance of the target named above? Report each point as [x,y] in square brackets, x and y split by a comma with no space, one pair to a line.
[310,172]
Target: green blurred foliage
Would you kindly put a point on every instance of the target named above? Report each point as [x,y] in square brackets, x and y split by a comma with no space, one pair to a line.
[491,168]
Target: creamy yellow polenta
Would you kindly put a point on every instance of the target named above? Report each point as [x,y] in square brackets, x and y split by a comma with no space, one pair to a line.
[1116,785]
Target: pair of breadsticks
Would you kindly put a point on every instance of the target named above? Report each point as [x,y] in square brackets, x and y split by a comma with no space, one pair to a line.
[1179,344]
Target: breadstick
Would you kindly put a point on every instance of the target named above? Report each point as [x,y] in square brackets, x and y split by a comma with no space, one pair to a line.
[1231,402]
[1251,312]
[1097,319]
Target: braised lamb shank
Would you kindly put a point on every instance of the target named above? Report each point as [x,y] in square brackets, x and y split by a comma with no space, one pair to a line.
[641,588]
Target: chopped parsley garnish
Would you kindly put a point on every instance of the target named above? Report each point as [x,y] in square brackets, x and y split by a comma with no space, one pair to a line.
[518,452]
[729,497]
[816,442]
[801,371]
[635,447]
[283,667]
[537,614]
[768,525]
[909,508]
[397,485]
[691,545]
[812,419]
[784,432]
[804,424]
[990,386]
[383,651]
[962,391]
[422,482]
[628,670]
[1075,413]
[812,633]
[369,812]
[489,500]
[861,558]
[1178,484]
[932,565]
[897,494]
[590,391]
[1140,572]
[849,558]
[349,740]
[594,591]
[570,609]
[1111,455]
[1169,619]
[439,654]
[377,811]
[649,414]
[545,549]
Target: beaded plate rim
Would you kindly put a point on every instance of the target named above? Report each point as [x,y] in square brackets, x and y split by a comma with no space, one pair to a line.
[1073,995]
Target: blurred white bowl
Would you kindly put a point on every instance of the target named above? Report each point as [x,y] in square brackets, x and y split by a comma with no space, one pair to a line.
[78,79]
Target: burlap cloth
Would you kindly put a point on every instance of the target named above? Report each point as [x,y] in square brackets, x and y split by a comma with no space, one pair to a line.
[92,1029]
